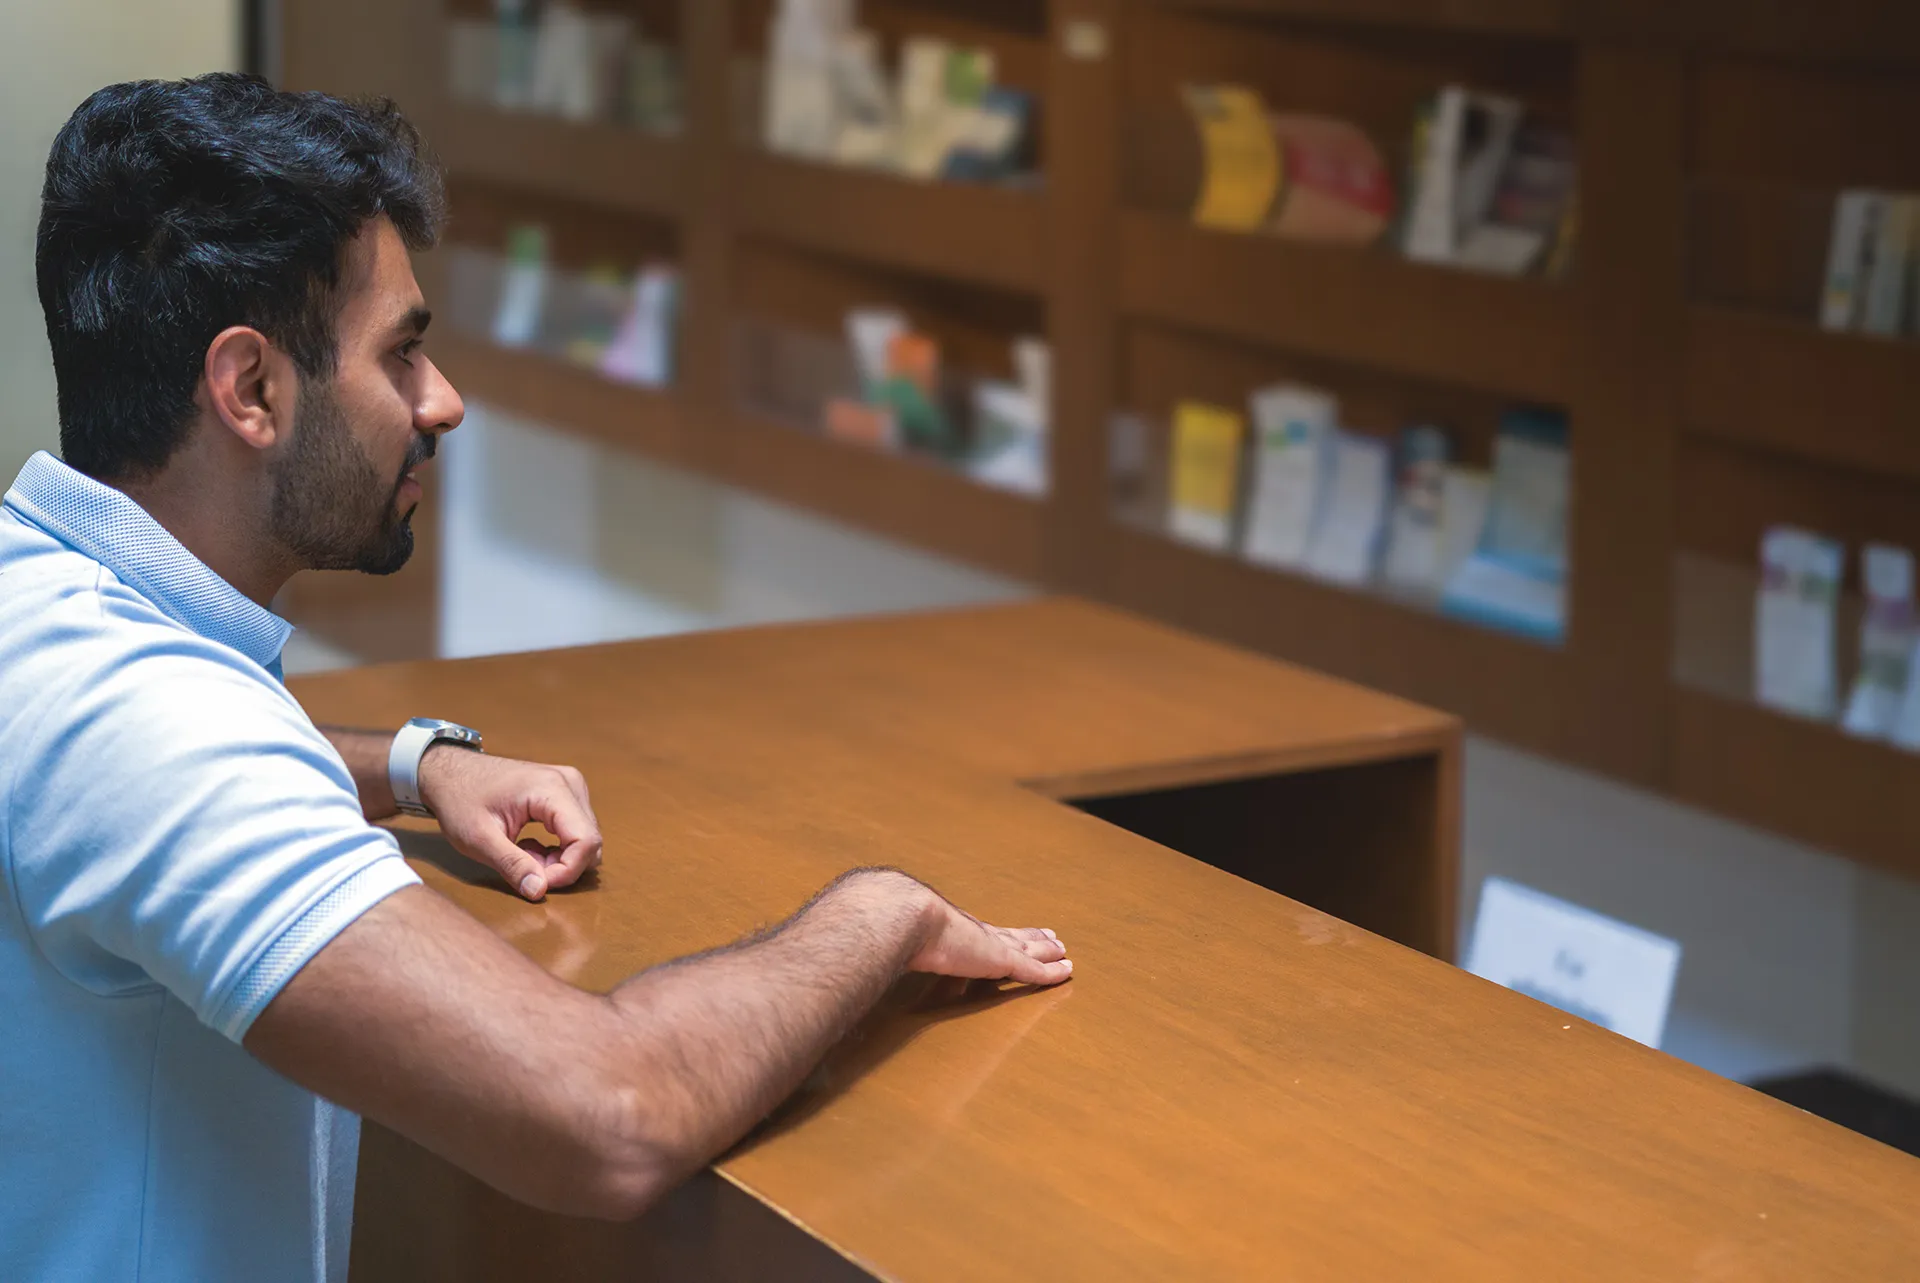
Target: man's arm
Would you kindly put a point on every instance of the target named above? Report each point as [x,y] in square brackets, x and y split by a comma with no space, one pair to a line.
[418,1017]
[482,803]
[365,753]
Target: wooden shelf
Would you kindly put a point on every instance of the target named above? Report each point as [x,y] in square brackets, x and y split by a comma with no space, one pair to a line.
[1806,779]
[1871,31]
[1496,334]
[1362,636]
[1867,31]
[900,496]
[972,232]
[646,420]
[599,164]
[1787,386]
[1492,17]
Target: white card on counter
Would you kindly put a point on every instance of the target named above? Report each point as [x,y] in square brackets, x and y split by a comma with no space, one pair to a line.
[1602,970]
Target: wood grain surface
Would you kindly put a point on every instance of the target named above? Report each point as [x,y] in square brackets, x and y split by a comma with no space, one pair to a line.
[1234,1085]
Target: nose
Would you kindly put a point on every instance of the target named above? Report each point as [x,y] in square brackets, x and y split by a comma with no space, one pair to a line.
[439,409]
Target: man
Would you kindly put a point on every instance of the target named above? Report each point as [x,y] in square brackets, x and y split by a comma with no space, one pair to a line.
[202,939]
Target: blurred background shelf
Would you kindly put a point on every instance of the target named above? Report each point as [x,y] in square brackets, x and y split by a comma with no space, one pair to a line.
[973,232]
[650,421]
[1366,306]
[1014,30]
[1869,30]
[1782,384]
[1365,636]
[1884,31]
[1506,17]
[1802,778]
[900,496]
[916,500]
[610,165]
[1701,402]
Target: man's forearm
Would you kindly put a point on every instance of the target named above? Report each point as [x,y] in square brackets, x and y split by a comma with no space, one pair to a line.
[420,1018]
[730,1034]
[365,753]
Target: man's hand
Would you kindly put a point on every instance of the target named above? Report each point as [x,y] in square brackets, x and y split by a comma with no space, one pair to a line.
[962,946]
[483,803]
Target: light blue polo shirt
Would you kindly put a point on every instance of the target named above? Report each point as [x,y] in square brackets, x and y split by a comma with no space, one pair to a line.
[177,841]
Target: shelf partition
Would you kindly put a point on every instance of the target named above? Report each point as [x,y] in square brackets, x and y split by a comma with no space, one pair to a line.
[907,497]
[648,421]
[1361,635]
[1808,780]
[614,166]
[1786,385]
[1885,31]
[915,500]
[974,232]
[1367,307]
[1482,17]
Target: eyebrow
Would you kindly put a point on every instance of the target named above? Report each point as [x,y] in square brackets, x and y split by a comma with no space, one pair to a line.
[415,322]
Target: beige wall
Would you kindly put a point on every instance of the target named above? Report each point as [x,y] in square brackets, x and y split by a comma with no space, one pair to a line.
[53,53]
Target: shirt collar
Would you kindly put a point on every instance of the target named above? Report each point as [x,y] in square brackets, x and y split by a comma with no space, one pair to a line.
[111,528]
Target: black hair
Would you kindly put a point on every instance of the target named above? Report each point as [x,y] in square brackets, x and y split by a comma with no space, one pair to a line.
[175,209]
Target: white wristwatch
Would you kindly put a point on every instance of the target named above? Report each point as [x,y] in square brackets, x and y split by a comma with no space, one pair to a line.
[409,746]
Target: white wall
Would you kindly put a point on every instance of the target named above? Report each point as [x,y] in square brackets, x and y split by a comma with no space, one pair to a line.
[53,53]
[1792,957]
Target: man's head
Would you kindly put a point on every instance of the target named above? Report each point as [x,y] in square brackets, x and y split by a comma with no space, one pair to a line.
[224,270]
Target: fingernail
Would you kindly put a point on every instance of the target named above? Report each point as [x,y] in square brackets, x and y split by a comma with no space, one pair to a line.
[1048,934]
[1068,964]
[533,886]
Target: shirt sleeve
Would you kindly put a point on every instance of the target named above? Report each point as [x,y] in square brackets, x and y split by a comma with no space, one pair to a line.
[184,824]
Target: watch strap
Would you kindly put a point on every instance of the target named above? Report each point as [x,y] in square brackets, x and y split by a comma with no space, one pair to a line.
[409,747]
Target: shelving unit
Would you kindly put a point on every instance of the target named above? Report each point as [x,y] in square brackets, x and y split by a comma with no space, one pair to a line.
[1500,17]
[1511,336]
[898,496]
[1363,636]
[1805,779]
[609,165]
[1704,402]
[650,422]
[970,232]
[1785,385]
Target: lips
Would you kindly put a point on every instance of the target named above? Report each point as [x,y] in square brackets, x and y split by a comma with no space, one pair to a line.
[419,454]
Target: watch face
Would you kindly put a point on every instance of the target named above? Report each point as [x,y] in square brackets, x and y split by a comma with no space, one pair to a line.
[444,731]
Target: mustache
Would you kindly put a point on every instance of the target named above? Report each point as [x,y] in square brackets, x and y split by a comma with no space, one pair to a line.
[424,447]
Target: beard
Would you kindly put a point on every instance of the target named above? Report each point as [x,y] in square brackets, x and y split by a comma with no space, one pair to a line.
[331,507]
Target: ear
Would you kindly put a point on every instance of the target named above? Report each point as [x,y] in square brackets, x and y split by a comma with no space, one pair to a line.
[249,386]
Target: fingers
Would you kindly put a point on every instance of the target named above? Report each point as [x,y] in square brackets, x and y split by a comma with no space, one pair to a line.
[561,806]
[1031,971]
[521,867]
[577,785]
[1041,950]
[1035,956]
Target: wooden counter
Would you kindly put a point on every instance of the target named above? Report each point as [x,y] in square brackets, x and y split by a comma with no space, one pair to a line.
[1234,1085]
